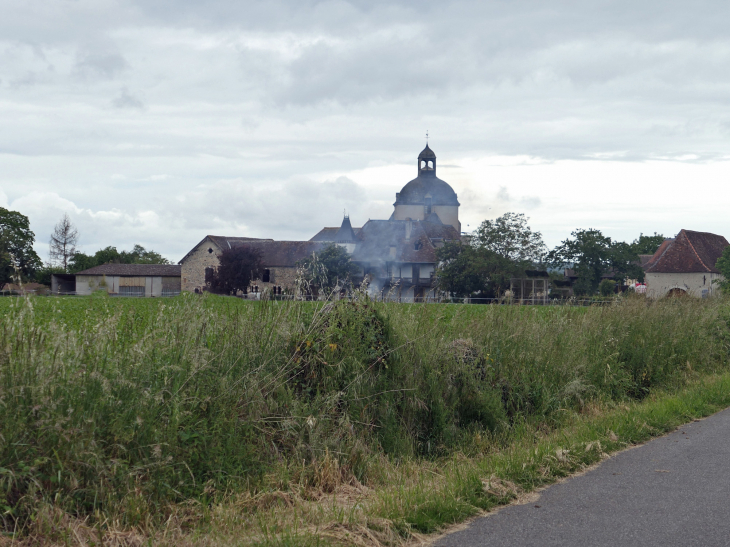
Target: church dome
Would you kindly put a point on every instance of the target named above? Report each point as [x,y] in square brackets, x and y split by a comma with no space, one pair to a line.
[427,184]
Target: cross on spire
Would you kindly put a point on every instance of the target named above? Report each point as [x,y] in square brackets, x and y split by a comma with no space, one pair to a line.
[426,136]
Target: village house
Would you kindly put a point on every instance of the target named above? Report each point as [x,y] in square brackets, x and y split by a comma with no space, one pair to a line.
[397,255]
[685,265]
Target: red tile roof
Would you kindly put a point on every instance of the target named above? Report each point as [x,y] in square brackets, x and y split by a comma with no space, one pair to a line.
[688,252]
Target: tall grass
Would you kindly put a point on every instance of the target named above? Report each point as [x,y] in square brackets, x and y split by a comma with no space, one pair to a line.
[121,410]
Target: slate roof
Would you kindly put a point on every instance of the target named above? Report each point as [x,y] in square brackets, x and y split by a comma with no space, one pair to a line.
[385,241]
[283,254]
[222,242]
[135,270]
[426,183]
[426,154]
[329,233]
[227,242]
[688,252]
[345,234]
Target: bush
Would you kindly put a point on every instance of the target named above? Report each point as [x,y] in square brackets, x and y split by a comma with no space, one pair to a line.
[607,287]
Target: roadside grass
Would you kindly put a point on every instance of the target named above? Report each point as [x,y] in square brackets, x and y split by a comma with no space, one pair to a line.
[210,420]
[426,497]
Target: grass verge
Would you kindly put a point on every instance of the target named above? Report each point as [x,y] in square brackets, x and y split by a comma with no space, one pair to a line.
[419,498]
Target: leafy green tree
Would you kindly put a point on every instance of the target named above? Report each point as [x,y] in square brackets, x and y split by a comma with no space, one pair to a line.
[110,255]
[43,275]
[624,262]
[465,270]
[592,255]
[510,237]
[337,261]
[16,247]
[647,245]
[607,287]
[328,268]
[237,268]
[723,264]
[140,255]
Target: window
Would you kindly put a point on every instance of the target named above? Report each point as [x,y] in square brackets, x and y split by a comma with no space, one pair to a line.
[210,249]
[267,275]
[418,246]
[131,291]
[428,206]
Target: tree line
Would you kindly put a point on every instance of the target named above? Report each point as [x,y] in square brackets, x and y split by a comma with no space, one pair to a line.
[480,265]
[505,248]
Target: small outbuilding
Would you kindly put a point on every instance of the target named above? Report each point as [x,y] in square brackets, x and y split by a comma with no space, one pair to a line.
[128,280]
[685,265]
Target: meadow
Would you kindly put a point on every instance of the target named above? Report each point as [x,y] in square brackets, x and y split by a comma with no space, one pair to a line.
[212,420]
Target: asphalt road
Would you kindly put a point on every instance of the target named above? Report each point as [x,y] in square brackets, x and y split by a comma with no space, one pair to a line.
[674,490]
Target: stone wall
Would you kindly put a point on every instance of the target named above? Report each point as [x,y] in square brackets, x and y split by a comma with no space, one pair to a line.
[280,276]
[696,284]
[193,270]
[194,265]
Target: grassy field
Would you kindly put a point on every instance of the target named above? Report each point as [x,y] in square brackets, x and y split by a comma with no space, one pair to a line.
[209,420]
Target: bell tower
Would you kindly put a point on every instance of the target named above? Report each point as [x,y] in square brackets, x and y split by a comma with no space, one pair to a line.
[427,163]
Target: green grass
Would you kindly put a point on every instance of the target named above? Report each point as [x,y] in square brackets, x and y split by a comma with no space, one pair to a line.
[132,414]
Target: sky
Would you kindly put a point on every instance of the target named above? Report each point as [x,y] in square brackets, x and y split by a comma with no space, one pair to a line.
[158,122]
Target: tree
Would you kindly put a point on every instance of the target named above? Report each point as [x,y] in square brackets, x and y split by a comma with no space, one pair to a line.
[592,255]
[43,275]
[327,268]
[589,254]
[16,247]
[110,255]
[465,270]
[140,255]
[723,264]
[624,262]
[237,267]
[510,237]
[647,245]
[63,242]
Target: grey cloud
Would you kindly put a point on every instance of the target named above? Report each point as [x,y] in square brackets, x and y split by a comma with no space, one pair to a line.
[127,100]
[98,64]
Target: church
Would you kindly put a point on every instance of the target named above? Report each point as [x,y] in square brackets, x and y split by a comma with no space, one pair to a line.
[395,256]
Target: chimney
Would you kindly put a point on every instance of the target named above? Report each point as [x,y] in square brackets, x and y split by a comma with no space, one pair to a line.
[409,227]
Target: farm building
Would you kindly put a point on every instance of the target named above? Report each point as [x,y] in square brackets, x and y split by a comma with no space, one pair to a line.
[685,265]
[279,260]
[122,280]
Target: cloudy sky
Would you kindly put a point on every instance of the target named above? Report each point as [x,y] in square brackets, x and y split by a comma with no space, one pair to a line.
[159,121]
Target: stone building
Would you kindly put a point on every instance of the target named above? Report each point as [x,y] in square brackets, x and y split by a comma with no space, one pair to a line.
[685,265]
[279,259]
[397,255]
